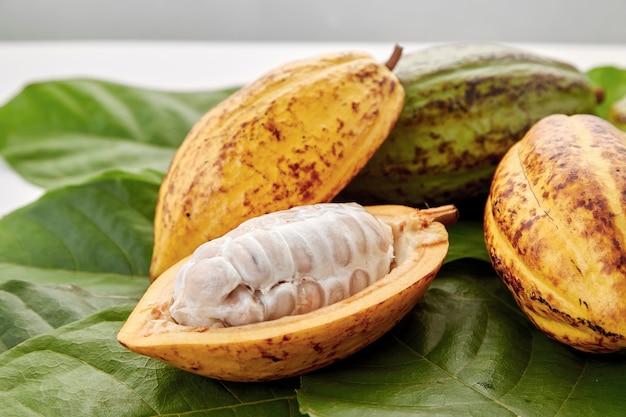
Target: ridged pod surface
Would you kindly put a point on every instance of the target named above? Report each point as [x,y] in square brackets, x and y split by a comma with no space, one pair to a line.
[555,229]
[297,135]
[466,104]
[294,345]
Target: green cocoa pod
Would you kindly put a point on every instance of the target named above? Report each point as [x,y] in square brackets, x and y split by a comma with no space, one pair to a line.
[465,106]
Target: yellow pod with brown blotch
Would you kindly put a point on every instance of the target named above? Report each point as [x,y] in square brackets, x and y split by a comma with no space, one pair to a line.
[297,135]
[555,229]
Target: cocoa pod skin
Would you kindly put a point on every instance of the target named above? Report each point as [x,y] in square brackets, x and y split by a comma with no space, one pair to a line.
[466,104]
[555,229]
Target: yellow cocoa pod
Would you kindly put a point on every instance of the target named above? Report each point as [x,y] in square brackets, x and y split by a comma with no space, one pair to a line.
[297,135]
[555,229]
[295,344]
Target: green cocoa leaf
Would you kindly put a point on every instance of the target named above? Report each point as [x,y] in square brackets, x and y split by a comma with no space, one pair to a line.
[73,252]
[31,309]
[103,226]
[80,370]
[613,81]
[466,241]
[467,349]
[102,284]
[63,132]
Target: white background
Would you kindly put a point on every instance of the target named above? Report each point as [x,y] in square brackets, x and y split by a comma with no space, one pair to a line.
[317,20]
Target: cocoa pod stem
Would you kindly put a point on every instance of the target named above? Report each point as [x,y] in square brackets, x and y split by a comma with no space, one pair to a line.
[394,58]
[445,215]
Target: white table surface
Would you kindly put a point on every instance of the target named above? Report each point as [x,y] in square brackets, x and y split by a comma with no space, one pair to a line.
[193,66]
